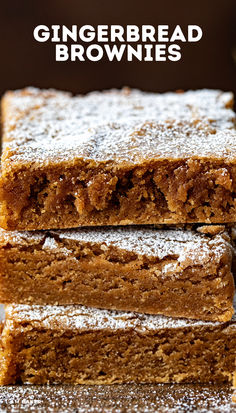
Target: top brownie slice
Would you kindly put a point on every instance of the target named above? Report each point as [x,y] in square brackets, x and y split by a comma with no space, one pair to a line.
[117,157]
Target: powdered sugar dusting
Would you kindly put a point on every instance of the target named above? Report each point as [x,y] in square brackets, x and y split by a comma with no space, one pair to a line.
[118,126]
[184,245]
[50,243]
[84,318]
[129,398]
[153,242]
[21,238]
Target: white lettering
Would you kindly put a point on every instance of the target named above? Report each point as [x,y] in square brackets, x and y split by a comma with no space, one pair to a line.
[191,30]
[131,51]
[90,33]
[77,52]
[174,52]
[41,33]
[114,52]
[61,53]
[177,35]
[96,48]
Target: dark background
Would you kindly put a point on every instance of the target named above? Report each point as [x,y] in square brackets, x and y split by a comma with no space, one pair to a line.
[208,63]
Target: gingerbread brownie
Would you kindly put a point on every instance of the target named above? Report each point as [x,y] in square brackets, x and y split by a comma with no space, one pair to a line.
[234,385]
[178,273]
[75,344]
[117,158]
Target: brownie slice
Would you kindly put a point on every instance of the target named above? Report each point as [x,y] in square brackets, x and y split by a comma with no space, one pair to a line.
[179,273]
[117,158]
[79,345]
[234,384]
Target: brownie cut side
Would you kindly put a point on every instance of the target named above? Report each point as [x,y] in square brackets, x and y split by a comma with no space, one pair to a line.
[74,344]
[175,272]
[117,158]
[234,385]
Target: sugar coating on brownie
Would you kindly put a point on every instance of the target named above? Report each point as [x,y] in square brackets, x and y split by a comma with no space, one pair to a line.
[117,158]
[184,244]
[75,344]
[174,272]
[119,126]
[131,397]
[84,318]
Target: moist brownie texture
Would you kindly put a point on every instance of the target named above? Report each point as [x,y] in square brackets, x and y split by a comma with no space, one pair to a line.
[75,344]
[179,273]
[234,385]
[117,157]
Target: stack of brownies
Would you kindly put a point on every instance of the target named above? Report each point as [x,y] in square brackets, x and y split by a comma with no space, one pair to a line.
[97,291]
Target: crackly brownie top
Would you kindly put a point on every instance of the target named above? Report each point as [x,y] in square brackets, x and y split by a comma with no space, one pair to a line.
[84,318]
[127,126]
[184,247]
